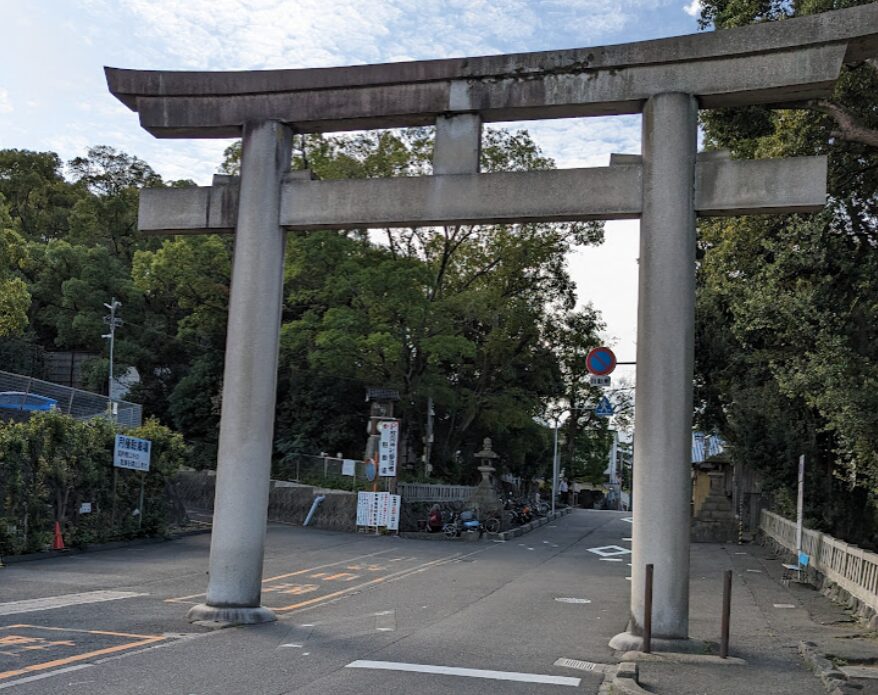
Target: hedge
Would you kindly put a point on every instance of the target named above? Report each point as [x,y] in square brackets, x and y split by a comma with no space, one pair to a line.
[51,463]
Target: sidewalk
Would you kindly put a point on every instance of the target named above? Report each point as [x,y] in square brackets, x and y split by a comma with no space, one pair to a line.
[768,622]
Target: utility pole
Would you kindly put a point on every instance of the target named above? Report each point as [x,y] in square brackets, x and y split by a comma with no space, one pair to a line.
[555,464]
[113,322]
[428,439]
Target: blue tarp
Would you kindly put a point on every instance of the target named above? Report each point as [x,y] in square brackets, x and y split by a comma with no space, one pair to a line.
[19,400]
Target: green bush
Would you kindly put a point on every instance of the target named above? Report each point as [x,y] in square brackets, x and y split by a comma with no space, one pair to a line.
[51,463]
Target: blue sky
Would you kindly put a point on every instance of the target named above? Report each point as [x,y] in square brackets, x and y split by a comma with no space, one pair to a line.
[53,95]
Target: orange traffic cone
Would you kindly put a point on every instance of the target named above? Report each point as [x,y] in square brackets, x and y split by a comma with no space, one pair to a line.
[58,543]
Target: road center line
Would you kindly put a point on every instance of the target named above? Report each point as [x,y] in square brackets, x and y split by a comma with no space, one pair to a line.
[50,602]
[466,672]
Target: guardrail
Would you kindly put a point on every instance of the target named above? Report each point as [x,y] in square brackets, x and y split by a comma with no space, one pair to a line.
[422,492]
[853,569]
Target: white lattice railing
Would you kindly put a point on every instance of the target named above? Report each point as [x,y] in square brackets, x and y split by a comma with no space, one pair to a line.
[422,492]
[855,570]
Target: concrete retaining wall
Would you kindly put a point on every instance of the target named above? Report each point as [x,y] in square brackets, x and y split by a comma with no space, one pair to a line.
[287,503]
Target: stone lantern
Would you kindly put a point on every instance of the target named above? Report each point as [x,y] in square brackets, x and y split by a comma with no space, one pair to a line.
[485,497]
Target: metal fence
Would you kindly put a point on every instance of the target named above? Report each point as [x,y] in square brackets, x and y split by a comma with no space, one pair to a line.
[16,391]
[422,492]
[855,570]
[328,471]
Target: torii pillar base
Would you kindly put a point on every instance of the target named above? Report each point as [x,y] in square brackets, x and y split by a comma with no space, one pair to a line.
[217,617]
[629,642]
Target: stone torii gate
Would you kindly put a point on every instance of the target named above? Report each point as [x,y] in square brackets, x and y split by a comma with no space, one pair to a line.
[778,64]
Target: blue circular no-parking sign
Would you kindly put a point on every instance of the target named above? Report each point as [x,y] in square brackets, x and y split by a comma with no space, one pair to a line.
[600,361]
[370,470]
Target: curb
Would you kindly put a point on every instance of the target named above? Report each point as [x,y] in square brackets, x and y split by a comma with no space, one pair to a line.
[98,547]
[531,525]
[835,682]
[622,680]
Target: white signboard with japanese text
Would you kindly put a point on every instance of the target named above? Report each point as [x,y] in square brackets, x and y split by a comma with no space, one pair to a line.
[364,500]
[393,512]
[132,453]
[378,509]
[387,447]
[381,508]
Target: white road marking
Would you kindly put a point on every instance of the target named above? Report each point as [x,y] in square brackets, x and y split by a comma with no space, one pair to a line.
[39,677]
[609,550]
[628,520]
[466,672]
[784,605]
[573,600]
[294,646]
[626,538]
[755,571]
[611,559]
[50,602]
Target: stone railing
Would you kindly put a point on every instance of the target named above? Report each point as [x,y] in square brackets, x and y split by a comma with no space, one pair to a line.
[422,492]
[853,569]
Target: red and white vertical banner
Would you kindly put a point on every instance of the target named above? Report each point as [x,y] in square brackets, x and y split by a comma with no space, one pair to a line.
[382,508]
[388,447]
[395,502]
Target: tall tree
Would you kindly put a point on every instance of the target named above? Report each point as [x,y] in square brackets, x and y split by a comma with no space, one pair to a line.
[787,358]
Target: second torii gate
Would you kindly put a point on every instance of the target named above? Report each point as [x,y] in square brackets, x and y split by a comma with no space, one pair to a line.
[778,64]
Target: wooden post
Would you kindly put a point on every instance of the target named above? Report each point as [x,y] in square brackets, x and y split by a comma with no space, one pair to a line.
[727,609]
[647,611]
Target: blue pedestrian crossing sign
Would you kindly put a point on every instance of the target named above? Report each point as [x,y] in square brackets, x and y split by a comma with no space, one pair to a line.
[604,408]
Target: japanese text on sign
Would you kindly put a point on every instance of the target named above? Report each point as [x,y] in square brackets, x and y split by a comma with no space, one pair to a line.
[132,453]
[378,509]
[389,430]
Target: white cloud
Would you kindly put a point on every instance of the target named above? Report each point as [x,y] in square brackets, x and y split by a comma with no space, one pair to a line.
[5,104]
[693,9]
[259,34]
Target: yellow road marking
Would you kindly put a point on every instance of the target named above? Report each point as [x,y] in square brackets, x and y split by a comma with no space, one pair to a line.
[142,640]
[180,599]
[377,580]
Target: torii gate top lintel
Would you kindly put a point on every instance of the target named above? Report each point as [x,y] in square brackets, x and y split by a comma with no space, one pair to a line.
[771,63]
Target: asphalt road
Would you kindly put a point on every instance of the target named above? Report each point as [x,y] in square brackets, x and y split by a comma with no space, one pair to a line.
[357,614]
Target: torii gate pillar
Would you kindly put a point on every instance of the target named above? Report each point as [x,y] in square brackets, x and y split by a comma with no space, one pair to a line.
[243,477]
[665,339]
